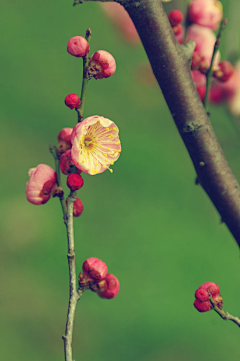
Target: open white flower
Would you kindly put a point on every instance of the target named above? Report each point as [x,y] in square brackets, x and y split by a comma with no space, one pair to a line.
[95,144]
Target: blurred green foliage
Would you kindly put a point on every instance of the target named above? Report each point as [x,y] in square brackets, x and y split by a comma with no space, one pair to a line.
[157,231]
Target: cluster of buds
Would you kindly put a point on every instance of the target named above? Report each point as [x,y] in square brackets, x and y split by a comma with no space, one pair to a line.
[203,17]
[100,65]
[95,277]
[175,18]
[92,146]
[202,302]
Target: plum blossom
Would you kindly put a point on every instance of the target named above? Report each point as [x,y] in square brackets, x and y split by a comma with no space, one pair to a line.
[101,65]
[228,91]
[207,13]
[205,40]
[95,144]
[41,184]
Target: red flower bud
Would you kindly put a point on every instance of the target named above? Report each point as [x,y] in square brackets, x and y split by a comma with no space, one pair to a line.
[109,287]
[213,288]
[95,268]
[202,303]
[72,101]
[66,164]
[175,17]
[77,207]
[74,181]
[78,46]
[64,139]
[224,71]
[202,295]
[178,29]
[202,306]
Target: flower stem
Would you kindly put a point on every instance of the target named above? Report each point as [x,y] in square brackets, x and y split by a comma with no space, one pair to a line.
[53,151]
[74,295]
[210,70]
[85,79]
[224,315]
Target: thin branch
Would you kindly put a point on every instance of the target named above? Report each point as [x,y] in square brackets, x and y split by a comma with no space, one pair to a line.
[224,315]
[74,295]
[171,62]
[53,151]
[85,79]
[210,70]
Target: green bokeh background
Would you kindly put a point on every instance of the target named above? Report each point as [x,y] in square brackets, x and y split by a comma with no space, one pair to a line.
[155,229]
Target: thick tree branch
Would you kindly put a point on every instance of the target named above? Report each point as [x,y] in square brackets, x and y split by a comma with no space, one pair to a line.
[171,66]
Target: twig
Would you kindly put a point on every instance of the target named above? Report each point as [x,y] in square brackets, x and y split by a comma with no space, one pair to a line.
[210,70]
[53,151]
[74,295]
[224,315]
[85,79]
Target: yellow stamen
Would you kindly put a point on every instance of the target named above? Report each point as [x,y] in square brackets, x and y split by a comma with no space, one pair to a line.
[118,142]
[111,162]
[110,170]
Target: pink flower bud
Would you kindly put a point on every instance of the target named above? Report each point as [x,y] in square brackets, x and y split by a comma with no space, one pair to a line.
[228,91]
[95,268]
[64,139]
[200,81]
[175,17]
[77,207]
[202,306]
[213,288]
[205,40]
[202,303]
[224,71]
[109,287]
[66,164]
[202,295]
[178,29]
[74,181]
[207,13]
[101,65]
[41,183]
[78,46]
[72,101]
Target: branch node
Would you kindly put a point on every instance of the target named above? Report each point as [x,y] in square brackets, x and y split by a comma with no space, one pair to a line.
[191,126]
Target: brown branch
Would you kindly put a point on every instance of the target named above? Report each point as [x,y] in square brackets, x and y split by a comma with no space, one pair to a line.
[171,66]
